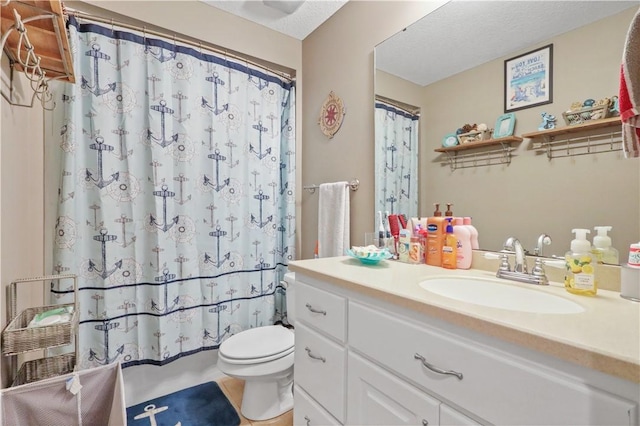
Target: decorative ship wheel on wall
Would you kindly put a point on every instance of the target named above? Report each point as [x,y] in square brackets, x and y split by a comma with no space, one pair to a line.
[331,115]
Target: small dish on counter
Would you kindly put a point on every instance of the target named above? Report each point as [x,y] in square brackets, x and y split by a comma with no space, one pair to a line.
[369,255]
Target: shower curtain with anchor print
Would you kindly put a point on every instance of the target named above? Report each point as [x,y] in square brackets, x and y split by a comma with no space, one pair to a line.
[176,196]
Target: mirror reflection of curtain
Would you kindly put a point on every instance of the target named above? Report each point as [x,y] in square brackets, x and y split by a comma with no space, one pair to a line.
[396,160]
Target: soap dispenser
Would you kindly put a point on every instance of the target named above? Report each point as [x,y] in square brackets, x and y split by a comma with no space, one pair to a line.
[580,263]
[602,246]
[450,247]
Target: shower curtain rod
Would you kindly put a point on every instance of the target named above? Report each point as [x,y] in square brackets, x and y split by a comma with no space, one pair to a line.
[199,44]
[404,107]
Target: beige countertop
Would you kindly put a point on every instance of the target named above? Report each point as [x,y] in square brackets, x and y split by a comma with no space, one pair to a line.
[605,337]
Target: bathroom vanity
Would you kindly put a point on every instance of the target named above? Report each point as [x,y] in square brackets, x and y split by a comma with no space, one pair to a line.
[374,347]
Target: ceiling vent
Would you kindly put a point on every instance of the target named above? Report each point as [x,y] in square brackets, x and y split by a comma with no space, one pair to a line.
[286,6]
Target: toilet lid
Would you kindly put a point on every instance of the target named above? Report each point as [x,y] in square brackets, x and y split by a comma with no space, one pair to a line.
[259,342]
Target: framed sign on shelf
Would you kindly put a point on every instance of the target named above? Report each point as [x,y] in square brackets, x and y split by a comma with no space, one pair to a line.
[528,79]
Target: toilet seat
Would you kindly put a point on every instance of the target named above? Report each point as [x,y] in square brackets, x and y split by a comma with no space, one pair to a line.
[257,345]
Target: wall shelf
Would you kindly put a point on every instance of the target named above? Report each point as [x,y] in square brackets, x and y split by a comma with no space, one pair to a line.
[34,38]
[596,137]
[470,154]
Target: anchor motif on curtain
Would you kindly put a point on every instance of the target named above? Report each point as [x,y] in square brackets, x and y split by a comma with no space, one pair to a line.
[163,109]
[101,182]
[164,279]
[261,223]
[105,327]
[261,129]
[158,53]
[95,87]
[217,157]
[164,226]
[215,108]
[219,261]
[103,238]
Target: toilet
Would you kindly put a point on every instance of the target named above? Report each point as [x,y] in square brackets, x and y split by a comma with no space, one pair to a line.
[263,358]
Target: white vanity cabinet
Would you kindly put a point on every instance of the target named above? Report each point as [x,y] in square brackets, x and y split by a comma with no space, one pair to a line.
[320,355]
[386,365]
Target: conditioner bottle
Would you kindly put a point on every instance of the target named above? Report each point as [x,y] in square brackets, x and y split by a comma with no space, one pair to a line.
[580,264]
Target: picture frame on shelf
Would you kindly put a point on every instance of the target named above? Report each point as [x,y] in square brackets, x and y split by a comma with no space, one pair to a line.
[505,124]
[528,79]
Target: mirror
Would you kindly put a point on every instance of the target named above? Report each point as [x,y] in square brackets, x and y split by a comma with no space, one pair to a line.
[450,65]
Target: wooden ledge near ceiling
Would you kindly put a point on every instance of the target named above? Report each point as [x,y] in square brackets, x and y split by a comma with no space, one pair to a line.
[48,36]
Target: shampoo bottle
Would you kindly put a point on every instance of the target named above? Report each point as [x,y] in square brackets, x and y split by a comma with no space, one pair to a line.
[464,252]
[450,247]
[474,233]
[602,246]
[581,263]
[435,238]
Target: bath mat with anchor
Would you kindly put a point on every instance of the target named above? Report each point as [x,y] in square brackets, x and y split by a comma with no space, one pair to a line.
[204,404]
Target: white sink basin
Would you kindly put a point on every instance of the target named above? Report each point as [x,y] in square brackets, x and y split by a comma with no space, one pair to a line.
[495,294]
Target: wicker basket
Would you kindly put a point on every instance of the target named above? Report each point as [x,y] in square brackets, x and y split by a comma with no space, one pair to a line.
[44,368]
[586,114]
[17,338]
[473,136]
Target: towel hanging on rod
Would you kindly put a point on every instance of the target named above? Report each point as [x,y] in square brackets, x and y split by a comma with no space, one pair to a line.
[354,184]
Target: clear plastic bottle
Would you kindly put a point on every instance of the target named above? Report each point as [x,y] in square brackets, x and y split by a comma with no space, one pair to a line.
[602,246]
[581,264]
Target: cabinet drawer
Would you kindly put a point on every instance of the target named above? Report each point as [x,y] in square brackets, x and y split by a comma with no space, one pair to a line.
[451,417]
[307,412]
[321,310]
[496,386]
[320,369]
[377,397]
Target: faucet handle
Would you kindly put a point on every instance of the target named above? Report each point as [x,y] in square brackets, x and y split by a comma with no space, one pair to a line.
[504,260]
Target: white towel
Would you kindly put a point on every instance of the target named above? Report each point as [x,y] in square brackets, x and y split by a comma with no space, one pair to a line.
[333,219]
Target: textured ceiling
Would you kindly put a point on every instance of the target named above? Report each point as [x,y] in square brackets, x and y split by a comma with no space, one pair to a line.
[463,34]
[307,16]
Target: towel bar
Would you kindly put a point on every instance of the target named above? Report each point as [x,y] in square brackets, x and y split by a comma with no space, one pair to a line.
[354,184]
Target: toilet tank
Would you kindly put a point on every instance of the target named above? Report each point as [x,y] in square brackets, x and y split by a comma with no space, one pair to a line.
[289,283]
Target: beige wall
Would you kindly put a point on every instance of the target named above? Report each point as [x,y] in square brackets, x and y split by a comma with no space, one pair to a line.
[338,57]
[21,198]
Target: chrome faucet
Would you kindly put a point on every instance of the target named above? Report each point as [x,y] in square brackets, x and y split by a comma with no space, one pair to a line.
[513,245]
[543,240]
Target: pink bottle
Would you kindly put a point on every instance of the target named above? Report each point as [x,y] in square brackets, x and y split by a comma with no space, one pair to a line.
[474,233]
[464,252]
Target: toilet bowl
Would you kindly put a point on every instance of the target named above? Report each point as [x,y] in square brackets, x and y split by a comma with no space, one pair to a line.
[263,358]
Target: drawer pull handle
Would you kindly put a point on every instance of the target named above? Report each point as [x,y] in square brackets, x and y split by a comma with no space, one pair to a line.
[308,420]
[425,423]
[315,311]
[436,369]
[321,358]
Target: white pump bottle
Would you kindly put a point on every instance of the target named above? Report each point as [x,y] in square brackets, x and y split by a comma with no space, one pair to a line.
[602,246]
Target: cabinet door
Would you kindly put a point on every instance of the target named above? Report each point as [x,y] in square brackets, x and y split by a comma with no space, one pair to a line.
[307,412]
[493,385]
[376,397]
[320,369]
[451,417]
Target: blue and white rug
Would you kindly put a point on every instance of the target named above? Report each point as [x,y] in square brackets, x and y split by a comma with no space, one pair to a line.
[202,405]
